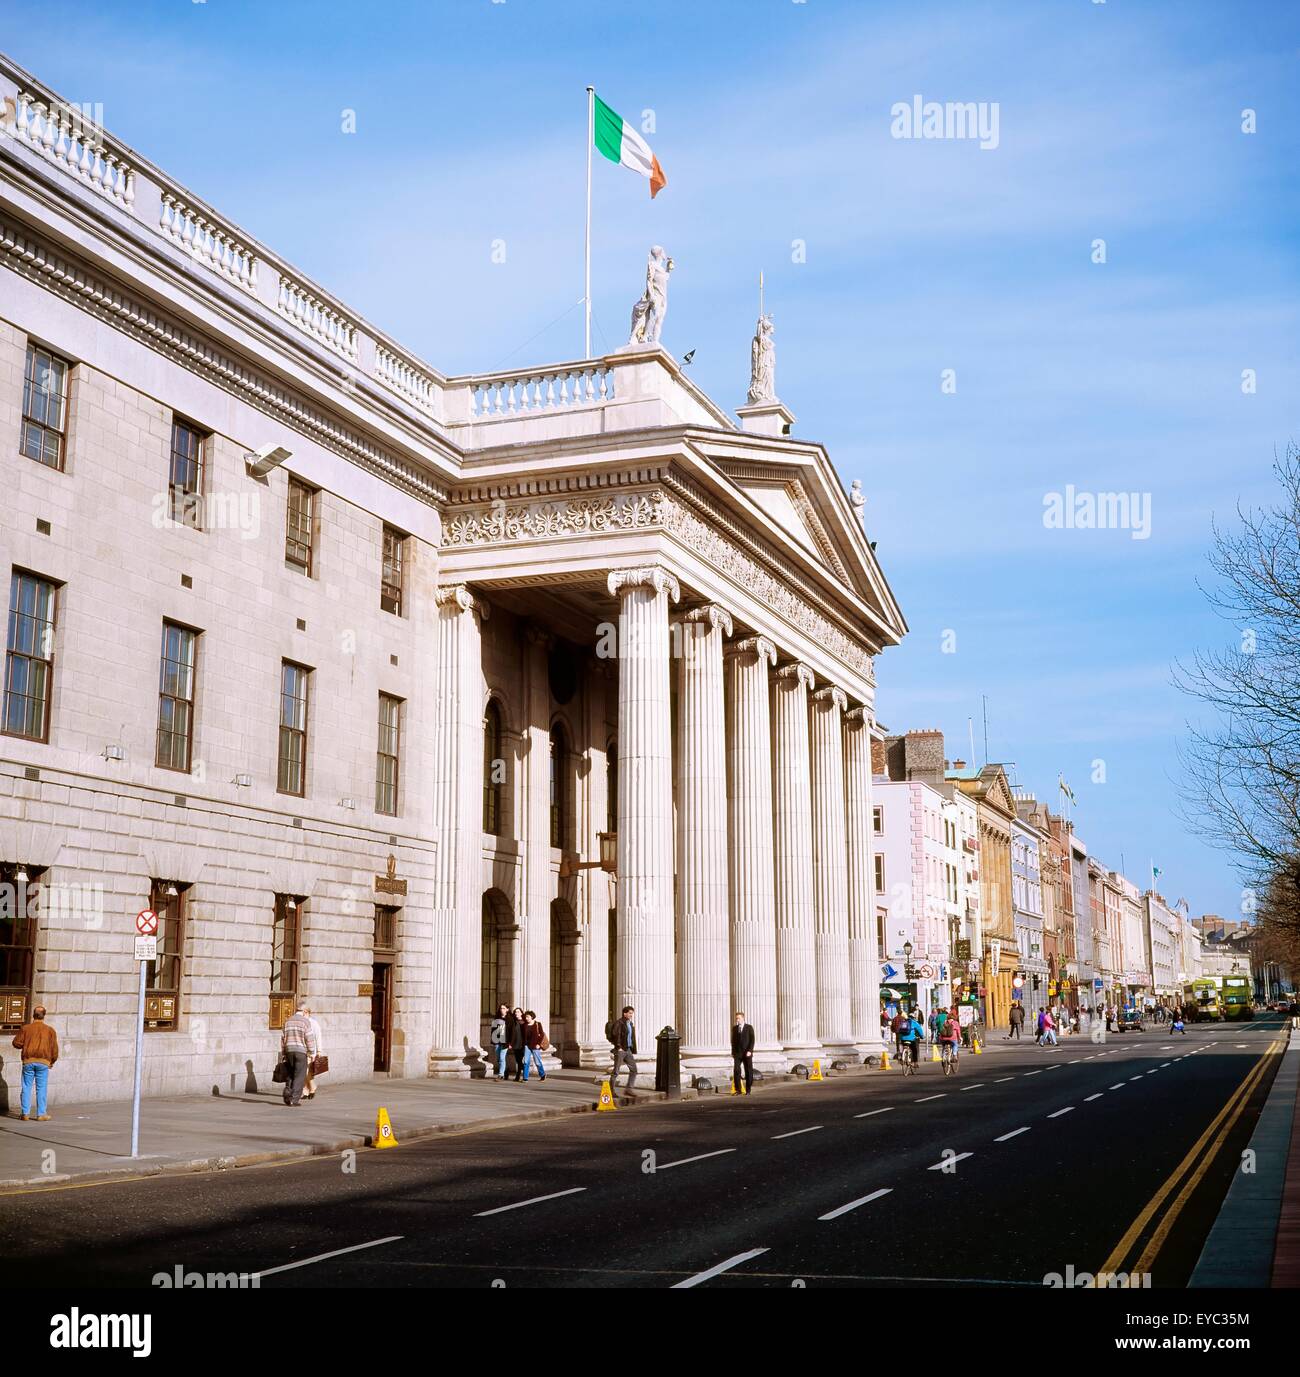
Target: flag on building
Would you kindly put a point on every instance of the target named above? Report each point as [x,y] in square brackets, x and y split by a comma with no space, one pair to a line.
[620,143]
[1064,788]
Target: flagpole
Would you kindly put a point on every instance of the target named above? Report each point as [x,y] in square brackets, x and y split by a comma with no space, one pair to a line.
[586,278]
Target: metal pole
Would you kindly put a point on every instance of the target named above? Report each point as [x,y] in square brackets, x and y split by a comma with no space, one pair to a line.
[586,279]
[139,1067]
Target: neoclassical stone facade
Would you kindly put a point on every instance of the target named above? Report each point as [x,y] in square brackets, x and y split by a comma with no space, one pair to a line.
[452,632]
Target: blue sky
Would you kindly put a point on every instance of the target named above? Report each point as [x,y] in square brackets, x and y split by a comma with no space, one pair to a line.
[1117,121]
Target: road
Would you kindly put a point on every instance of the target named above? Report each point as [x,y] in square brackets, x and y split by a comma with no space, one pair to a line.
[1030,1160]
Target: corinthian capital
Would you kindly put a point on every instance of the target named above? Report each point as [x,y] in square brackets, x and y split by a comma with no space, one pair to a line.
[858,717]
[795,674]
[831,697]
[460,599]
[621,581]
[758,646]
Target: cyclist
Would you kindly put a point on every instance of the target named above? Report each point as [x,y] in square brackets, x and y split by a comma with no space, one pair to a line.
[911,1037]
[949,1035]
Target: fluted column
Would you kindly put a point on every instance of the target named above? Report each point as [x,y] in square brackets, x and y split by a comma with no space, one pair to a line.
[864,958]
[645,799]
[457,821]
[533,977]
[703,942]
[830,874]
[796,955]
[749,828]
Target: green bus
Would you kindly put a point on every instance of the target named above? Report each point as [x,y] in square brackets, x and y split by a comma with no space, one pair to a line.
[1237,997]
[1201,1001]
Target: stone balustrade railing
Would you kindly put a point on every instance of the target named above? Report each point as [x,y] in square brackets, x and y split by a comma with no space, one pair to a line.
[67,136]
[208,241]
[311,314]
[407,379]
[519,394]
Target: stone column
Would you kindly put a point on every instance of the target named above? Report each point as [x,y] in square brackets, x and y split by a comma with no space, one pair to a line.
[830,873]
[595,891]
[796,955]
[645,800]
[458,827]
[864,958]
[703,943]
[749,827]
[533,975]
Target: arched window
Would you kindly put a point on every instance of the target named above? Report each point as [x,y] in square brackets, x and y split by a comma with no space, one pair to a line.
[611,787]
[494,769]
[561,790]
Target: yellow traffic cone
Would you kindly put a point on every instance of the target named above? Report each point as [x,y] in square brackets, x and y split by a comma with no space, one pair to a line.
[816,1073]
[383,1131]
[975,1045]
[884,1059]
[934,1051]
[606,1104]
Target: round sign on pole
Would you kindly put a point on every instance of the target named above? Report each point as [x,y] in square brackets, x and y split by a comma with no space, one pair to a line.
[146,922]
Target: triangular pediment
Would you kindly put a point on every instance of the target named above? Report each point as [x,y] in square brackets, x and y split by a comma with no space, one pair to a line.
[786,502]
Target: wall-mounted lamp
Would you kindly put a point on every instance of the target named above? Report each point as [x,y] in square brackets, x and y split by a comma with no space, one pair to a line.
[261,462]
[244,781]
[347,803]
[608,858]
[113,753]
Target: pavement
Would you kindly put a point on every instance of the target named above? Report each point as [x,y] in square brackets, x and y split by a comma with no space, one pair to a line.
[189,1133]
[1030,1164]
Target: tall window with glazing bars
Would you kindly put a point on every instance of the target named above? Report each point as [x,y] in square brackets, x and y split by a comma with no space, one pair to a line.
[299,527]
[295,686]
[29,657]
[175,743]
[45,407]
[388,756]
[392,576]
[185,478]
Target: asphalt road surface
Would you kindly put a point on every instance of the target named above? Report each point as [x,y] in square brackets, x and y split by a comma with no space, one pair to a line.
[1026,1162]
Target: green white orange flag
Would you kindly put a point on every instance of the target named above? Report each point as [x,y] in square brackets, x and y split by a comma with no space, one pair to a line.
[620,143]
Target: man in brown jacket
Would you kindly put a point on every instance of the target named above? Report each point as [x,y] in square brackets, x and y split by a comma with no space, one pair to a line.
[40,1048]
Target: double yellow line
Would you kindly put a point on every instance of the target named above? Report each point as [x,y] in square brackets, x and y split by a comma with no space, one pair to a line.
[1193,1167]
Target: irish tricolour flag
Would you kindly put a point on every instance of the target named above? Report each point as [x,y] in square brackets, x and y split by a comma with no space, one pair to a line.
[620,143]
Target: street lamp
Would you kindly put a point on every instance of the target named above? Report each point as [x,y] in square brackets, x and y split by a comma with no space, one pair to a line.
[907,951]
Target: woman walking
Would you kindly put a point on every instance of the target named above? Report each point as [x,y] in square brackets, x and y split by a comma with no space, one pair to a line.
[515,1039]
[309,1088]
[534,1044]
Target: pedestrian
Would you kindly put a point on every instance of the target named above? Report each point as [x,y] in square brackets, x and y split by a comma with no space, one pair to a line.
[1178,1025]
[497,1039]
[309,1087]
[297,1047]
[1048,1034]
[535,1043]
[624,1039]
[39,1044]
[515,1039]
[742,1053]
[1017,1020]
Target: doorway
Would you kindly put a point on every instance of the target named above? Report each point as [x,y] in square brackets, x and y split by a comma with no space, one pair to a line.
[381,1013]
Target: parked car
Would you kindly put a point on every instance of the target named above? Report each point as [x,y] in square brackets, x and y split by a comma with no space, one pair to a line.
[1130,1021]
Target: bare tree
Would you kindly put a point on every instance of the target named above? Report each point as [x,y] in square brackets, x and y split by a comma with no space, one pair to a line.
[1242,772]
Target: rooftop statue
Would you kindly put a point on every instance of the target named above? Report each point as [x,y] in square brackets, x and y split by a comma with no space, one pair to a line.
[648,314]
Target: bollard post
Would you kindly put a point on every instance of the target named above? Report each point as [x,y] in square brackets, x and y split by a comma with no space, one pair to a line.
[668,1071]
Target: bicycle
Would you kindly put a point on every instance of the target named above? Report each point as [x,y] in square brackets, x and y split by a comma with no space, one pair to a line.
[908,1064]
[948,1055]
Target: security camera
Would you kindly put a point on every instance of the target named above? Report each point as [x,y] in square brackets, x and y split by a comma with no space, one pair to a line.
[269,457]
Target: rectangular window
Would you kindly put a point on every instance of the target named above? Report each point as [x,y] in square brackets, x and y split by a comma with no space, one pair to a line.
[29,661]
[878,821]
[880,873]
[385,930]
[20,905]
[389,753]
[162,979]
[300,527]
[45,407]
[176,698]
[295,684]
[185,480]
[390,589]
[286,954]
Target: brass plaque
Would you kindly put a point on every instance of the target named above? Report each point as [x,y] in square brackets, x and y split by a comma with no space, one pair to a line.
[366,987]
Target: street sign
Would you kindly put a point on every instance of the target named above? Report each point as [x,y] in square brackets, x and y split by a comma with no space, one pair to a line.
[1098,984]
[146,949]
[962,951]
[146,922]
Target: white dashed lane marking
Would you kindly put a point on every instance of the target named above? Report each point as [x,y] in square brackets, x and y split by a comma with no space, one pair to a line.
[870,1112]
[726,1266]
[853,1204]
[925,1099]
[794,1133]
[1088,1098]
[950,1161]
[1069,1109]
[1015,1132]
[536,1200]
[686,1161]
